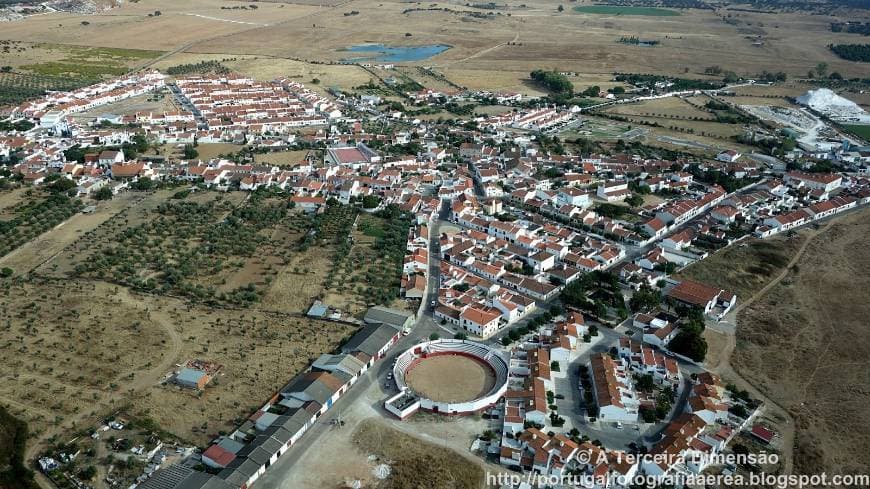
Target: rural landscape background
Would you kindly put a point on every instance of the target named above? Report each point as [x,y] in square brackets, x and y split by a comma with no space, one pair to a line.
[92,320]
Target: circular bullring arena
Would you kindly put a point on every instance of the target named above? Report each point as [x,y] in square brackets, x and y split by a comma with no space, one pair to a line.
[453,376]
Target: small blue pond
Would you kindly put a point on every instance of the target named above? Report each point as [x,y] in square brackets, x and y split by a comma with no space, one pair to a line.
[397,54]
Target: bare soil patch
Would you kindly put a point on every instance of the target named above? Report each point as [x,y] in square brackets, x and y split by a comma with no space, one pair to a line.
[450,378]
[416,463]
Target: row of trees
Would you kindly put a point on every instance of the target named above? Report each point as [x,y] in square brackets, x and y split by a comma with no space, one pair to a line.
[852,52]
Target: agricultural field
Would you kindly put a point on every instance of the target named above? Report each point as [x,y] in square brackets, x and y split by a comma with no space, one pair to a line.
[18,87]
[862,131]
[32,216]
[50,243]
[371,265]
[220,248]
[94,357]
[90,63]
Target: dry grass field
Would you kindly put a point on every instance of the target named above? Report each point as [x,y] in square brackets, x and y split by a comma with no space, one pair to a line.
[806,343]
[666,108]
[416,463]
[496,50]
[69,358]
[135,26]
[746,267]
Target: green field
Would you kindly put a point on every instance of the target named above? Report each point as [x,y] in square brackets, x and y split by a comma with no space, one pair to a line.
[860,130]
[620,10]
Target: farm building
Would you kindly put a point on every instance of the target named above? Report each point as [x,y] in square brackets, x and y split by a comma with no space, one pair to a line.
[191,378]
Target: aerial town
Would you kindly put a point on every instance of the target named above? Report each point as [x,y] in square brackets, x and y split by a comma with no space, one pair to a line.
[213,279]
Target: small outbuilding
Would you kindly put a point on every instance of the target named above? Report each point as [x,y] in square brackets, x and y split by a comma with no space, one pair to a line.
[191,378]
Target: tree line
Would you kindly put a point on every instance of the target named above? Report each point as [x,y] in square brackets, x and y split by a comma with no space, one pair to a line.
[852,52]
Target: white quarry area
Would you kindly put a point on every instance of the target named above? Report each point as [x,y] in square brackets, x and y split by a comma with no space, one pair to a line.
[834,106]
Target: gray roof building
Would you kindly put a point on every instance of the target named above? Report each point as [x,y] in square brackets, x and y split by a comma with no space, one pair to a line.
[255,453]
[181,477]
[278,433]
[348,364]
[371,339]
[267,443]
[385,315]
[313,386]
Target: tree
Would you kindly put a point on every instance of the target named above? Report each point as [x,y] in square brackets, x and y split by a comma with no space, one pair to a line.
[645,383]
[190,152]
[88,473]
[739,410]
[143,183]
[822,69]
[645,299]
[553,81]
[434,336]
[6,272]
[634,200]
[460,336]
[592,91]
[104,193]
[61,185]
[371,201]
[561,8]
[690,344]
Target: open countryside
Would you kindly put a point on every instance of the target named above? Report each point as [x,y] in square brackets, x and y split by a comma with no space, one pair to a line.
[368,244]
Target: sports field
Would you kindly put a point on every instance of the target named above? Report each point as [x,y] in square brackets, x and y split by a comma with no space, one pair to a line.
[620,10]
[450,378]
